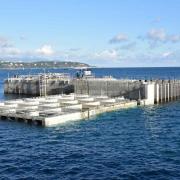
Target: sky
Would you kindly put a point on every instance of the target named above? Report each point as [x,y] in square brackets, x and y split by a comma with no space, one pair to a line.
[104,33]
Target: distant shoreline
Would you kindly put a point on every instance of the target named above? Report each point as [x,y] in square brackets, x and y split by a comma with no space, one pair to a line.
[93,67]
[44,68]
[42,65]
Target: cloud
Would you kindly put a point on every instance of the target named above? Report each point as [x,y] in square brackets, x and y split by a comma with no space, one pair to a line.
[128,46]
[160,35]
[10,51]
[46,50]
[157,35]
[74,49]
[22,37]
[107,55]
[167,54]
[174,38]
[7,48]
[5,43]
[119,38]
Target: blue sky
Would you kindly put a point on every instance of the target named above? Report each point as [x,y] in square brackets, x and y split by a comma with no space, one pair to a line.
[116,33]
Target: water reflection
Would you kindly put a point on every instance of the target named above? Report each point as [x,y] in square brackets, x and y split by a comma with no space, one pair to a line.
[151,120]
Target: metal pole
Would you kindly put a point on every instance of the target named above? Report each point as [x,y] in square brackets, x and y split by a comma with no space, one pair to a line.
[39,85]
[44,82]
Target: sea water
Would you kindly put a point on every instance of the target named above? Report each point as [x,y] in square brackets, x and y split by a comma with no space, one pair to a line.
[136,143]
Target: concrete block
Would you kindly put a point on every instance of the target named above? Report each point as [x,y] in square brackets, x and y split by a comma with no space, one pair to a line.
[67,103]
[91,104]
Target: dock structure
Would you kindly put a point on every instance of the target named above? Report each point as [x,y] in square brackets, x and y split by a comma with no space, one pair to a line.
[87,96]
[167,90]
[39,85]
[60,83]
[109,86]
[54,110]
[146,92]
[92,97]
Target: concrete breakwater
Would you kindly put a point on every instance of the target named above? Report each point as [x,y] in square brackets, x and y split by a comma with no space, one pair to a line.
[39,85]
[92,96]
[52,84]
[166,90]
[54,110]
[111,87]
[156,91]
[146,92]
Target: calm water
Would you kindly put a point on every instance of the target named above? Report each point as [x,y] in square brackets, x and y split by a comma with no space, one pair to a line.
[138,143]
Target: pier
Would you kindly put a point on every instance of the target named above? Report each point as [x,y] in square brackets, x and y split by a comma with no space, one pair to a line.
[80,98]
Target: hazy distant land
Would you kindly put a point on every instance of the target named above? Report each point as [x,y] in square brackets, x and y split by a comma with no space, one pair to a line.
[41,64]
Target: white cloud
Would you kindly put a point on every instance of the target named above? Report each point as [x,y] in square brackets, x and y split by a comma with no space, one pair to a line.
[128,46]
[167,54]
[7,48]
[107,55]
[4,42]
[157,35]
[174,38]
[119,38]
[46,50]
[10,51]
[160,35]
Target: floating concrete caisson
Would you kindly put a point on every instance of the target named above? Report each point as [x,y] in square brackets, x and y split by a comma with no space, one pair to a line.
[53,110]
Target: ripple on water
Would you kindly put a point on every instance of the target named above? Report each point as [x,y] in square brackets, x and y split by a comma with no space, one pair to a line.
[139,143]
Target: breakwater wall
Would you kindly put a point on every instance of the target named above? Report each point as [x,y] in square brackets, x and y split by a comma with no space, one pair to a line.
[166,90]
[93,96]
[150,92]
[156,91]
[38,85]
[131,89]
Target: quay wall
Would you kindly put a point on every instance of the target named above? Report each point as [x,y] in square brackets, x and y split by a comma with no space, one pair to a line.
[160,91]
[110,87]
[166,90]
[163,91]
[34,88]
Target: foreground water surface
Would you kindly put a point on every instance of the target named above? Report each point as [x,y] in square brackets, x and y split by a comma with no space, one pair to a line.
[137,143]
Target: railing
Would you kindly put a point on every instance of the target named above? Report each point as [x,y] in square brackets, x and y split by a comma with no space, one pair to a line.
[36,77]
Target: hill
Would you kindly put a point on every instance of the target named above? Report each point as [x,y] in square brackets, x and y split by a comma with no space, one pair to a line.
[41,64]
